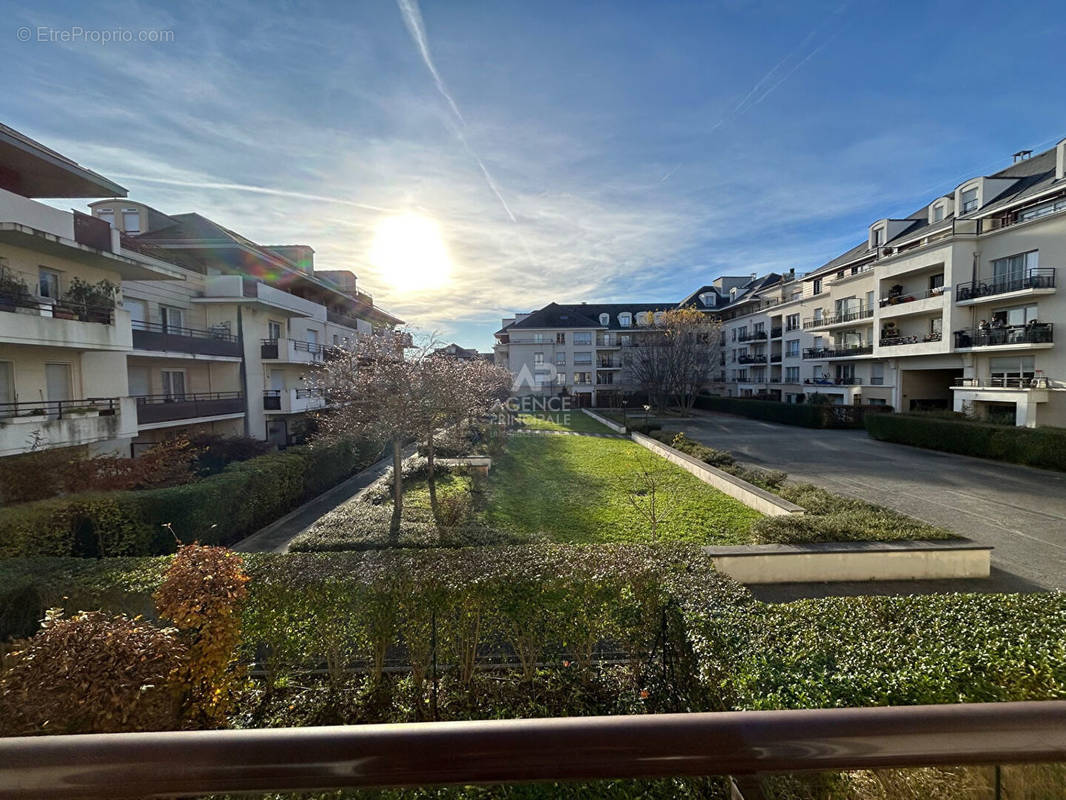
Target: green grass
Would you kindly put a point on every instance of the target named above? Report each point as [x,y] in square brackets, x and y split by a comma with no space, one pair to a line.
[574,420]
[574,490]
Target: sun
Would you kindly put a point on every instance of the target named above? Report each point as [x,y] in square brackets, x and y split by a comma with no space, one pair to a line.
[410,253]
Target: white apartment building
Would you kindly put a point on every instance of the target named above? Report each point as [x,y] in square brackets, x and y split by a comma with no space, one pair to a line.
[953,307]
[198,328]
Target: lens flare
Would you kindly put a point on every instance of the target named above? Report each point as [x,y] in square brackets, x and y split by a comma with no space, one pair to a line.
[410,253]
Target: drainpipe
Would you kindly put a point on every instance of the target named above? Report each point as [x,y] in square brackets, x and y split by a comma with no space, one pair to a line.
[244,369]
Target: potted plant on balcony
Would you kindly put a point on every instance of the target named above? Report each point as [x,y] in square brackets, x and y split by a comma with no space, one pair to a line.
[13,289]
[91,302]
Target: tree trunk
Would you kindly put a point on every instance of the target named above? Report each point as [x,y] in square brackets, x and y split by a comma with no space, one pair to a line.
[431,477]
[397,486]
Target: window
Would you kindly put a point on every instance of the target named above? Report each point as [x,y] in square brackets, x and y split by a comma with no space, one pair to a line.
[131,221]
[273,330]
[759,327]
[173,319]
[938,212]
[605,320]
[312,339]
[582,377]
[1017,316]
[7,382]
[876,401]
[48,283]
[1042,210]
[560,378]
[336,340]
[584,337]
[625,319]
[560,359]
[879,237]
[583,358]
[817,315]
[869,300]
[792,374]
[816,286]
[107,215]
[877,373]
[792,322]
[657,317]
[538,338]
[1008,274]
[969,200]
[792,348]
[1012,371]
[936,281]
[538,359]
[138,310]
[560,338]
[174,384]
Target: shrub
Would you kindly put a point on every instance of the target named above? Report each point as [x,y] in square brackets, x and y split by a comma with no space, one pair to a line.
[1035,447]
[219,509]
[214,452]
[92,674]
[769,479]
[808,415]
[202,594]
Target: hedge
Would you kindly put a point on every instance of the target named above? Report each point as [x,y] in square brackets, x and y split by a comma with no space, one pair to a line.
[807,415]
[1035,447]
[219,509]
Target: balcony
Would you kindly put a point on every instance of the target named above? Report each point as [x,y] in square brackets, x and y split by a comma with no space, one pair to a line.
[292,351]
[775,358]
[830,320]
[608,363]
[171,338]
[902,298]
[824,353]
[1035,281]
[57,323]
[897,341]
[754,336]
[156,408]
[59,423]
[357,325]
[775,333]
[751,359]
[607,340]
[1007,337]
[293,401]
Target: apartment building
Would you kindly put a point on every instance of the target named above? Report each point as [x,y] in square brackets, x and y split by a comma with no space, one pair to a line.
[128,326]
[578,351]
[953,306]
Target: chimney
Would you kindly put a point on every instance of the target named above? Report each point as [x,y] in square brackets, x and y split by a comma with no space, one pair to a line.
[1060,160]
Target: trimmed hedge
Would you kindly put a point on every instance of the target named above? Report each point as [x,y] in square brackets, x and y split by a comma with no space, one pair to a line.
[807,415]
[219,509]
[1034,447]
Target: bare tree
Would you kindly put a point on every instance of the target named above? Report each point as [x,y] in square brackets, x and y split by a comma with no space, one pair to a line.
[649,491]
[673,360]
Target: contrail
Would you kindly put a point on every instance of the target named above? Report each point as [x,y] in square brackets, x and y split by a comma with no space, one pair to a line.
[240,187]
[412,19]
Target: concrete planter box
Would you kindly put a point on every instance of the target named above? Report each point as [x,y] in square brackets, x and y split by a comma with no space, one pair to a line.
[480,463]
[761,500]
[853,561]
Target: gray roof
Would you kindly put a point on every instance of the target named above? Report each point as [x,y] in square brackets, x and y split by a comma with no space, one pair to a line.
[583,315]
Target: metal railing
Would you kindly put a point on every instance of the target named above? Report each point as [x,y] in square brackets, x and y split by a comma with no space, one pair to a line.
[158,336]
[895,341]
[834,319]
[1003,382]
[59,309]
[840,352]
[187,405]
[754,336]
[738,743]
[272,399]
[775,333]
[756,358]
[909,297]
[1034,278]
[1035,333]
[60,409]
[272,348]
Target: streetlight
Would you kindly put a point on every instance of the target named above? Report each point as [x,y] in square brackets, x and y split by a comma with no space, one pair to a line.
[624,404]
[647,408]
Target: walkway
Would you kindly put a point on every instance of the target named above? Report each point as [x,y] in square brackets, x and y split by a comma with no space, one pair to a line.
[276,536]
[1020,511]
[546,432]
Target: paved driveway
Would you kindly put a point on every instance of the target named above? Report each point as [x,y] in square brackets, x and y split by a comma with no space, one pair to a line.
[1019,510]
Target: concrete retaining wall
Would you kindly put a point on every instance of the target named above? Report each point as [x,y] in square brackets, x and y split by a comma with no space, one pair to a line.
[614,426]
[853,561]
[761,500]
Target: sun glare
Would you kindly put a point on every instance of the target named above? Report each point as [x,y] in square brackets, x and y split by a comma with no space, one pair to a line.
[410,252]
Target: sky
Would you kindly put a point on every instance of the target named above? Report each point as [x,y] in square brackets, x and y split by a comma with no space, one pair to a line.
[599,151]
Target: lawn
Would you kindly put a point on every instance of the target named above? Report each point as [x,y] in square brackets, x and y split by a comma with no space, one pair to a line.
[562,421]
[576,489]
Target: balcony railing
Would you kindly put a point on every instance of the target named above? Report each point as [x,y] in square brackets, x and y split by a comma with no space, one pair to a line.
[187,405]
[61,409]
[910,297]
[1035,278]
[840,352]
[775,333]
[834,319]
[60,309]
[1036,333]
[742,743]
[754,336]
[1004,382]
[894,341]
[156,336]
[273,349]
[751,359]
[775,358]
[272,399]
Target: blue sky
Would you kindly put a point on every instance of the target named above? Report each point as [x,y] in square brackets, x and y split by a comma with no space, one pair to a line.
[568,151]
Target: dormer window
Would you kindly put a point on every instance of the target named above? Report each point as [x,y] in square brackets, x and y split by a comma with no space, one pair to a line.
[625,319]
[938,212]
[708,298]
[969,200]
[605,320]
[107,215]
[879,237]
[658,317]
[131,221]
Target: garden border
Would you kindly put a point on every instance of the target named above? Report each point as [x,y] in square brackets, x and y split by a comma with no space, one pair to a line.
[750,495]
[614,426]
[829,562]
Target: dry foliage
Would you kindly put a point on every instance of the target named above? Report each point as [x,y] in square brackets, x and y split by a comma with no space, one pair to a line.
[92,673]
[672,362]
[202,594]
